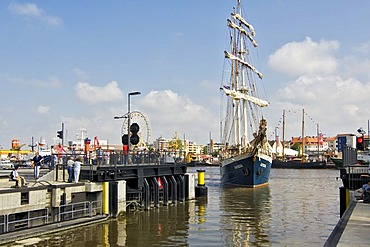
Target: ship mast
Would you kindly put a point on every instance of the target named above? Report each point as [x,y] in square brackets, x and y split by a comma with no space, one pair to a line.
[303,139]
[235,51]
[283,147]
[240,90]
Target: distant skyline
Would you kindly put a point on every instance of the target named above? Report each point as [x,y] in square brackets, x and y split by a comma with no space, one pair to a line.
[74,62]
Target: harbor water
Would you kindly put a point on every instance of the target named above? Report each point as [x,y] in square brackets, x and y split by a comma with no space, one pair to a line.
[298,208]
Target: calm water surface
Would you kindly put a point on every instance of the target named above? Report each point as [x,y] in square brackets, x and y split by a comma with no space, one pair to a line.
[298,208]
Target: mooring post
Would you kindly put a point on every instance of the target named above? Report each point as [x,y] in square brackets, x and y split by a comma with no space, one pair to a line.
[165,191]
[155,192]
[173,187]
[343,200]
[181,183]
[105,198]
[201,189]
[146,198]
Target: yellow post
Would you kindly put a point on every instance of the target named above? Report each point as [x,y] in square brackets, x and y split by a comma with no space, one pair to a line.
[347,198]
[105,198]
[200,177]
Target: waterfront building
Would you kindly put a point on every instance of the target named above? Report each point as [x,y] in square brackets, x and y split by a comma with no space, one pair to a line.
[331,142]
[213,147]
[161,143]
[194,148]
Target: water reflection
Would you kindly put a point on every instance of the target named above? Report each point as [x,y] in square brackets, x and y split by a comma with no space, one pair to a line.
[159,227]
[246,216]
[298,208]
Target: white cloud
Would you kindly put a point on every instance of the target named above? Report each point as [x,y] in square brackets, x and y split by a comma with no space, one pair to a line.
[33,11]
[310,89]
[43,109]
[333,90]
[171,112]
[167,112]
[94,95]
[355,66]
[363,48]
[306,57]
[337,103]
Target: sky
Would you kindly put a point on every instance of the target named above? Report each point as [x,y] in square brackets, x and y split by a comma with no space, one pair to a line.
[74,62]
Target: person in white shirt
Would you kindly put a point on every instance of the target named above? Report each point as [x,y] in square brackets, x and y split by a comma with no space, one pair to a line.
[70,163]
[77,168]
[21,181]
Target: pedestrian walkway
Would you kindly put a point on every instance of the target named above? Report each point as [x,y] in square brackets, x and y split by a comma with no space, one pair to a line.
[353,228]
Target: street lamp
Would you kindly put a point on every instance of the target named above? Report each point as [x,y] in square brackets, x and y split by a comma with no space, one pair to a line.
[129,118]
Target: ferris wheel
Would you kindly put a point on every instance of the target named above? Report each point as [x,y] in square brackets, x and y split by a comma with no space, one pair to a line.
[142,124]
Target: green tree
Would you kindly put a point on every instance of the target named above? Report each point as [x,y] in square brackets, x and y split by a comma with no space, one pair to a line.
[296,146]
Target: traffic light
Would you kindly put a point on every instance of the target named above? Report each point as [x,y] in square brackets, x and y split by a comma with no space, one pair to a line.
[134,138]
[359,143]
[125,139]
[60,134]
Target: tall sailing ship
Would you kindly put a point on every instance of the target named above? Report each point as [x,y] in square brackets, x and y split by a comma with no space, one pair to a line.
[247,156]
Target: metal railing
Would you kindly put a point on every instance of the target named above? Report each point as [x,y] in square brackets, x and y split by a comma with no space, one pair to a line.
[79,210]
[10,224]
[353,177]
[3,224]
[147,157]
[134,157]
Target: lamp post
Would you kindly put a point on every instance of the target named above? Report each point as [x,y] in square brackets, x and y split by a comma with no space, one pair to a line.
[129,118]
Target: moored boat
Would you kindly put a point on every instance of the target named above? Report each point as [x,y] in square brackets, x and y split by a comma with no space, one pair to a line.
[337,161]
[246,157]
[298,164]
[363,158]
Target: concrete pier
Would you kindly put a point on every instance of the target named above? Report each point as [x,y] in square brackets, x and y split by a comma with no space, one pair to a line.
[353,227]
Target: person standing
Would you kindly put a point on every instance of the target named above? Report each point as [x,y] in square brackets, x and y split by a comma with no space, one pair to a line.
[21,181]
[60,151]
[77,168]
[37,164]
[70,163]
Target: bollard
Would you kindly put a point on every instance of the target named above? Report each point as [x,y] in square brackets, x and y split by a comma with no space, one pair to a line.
[201,177]
[106,198]
[201,189]
[342,200]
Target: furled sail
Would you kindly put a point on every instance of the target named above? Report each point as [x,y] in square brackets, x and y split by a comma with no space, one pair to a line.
[242,30]
[231,56]
[239,95]
[241,19]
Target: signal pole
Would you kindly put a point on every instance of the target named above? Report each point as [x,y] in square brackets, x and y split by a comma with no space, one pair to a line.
[63,134]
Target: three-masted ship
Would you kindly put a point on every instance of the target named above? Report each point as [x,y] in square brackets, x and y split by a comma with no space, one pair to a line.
[247,156]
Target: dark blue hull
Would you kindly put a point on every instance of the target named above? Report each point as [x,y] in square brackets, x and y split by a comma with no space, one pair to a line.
[294,164]
[245,171]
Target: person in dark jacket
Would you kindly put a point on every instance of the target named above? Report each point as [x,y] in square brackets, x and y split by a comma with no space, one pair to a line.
[36,165]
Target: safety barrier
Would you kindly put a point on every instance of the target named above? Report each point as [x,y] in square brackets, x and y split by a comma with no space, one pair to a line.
[23,220]
[353,177]
[79,210]
[134,157]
